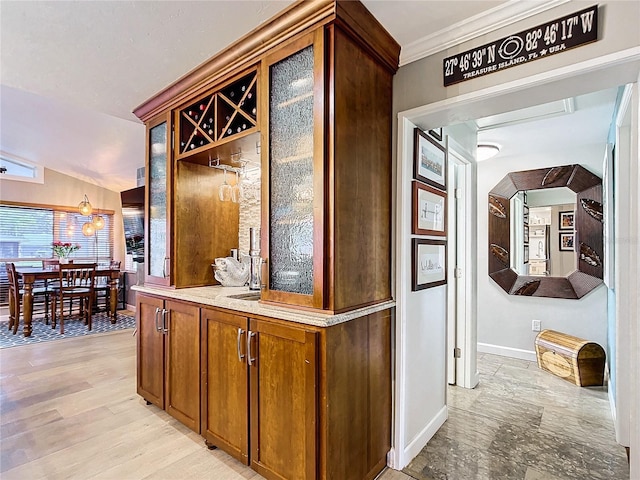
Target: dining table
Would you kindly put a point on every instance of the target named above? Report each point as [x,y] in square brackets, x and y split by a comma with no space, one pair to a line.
[30,275]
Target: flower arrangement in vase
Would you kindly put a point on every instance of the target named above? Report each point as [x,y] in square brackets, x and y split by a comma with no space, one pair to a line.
[62,250]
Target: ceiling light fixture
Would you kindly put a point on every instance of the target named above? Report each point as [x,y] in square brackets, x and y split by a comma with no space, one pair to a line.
[84,207]
[487,151]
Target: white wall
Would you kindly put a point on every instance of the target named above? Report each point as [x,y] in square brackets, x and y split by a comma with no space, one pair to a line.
[420,95]
[505,320]
[420,393]
[65,191]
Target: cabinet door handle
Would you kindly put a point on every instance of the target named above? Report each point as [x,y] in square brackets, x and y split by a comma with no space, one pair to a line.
[250,359]
[165,314]
[240,354]
[164,267]
[157,320]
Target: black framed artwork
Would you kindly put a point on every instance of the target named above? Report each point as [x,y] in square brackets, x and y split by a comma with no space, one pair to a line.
[429,160]
[429,263]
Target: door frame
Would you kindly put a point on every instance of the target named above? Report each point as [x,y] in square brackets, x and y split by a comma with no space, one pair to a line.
[461,318]
[597,73]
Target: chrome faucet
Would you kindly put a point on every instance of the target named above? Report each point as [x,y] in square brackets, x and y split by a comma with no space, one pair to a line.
[255,282]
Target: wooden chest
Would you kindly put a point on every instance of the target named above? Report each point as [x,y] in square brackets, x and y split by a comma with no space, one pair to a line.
[574,359]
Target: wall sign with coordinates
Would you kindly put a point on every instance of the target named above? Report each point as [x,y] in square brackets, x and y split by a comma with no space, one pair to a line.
[535,43]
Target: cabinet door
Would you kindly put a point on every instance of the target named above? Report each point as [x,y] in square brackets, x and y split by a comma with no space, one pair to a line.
[158,202]
[150,349]
[225,386]
[283,400]
[182,352]
[293,157]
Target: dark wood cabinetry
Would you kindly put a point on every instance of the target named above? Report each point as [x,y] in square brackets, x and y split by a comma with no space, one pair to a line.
[169,357]
[225,389]
[283,381]
[316,83]
[328,242]
[314,87]
[257,378]
[296,401]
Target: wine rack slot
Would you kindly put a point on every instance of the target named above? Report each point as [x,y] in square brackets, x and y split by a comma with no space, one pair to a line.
[218,117]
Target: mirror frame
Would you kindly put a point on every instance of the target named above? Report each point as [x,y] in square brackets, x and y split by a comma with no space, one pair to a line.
[589,232]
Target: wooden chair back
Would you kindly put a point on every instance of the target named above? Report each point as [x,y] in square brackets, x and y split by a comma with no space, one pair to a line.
[76,280]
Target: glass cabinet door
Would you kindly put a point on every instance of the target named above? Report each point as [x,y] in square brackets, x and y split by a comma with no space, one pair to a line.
[295,191]
[158,187]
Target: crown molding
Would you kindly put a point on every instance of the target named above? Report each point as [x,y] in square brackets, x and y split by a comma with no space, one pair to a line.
[501,16]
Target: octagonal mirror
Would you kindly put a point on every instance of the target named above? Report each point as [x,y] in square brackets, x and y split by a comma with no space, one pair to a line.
[546,232]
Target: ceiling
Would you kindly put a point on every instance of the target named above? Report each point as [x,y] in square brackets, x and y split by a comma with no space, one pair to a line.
[71,72]
[565,125]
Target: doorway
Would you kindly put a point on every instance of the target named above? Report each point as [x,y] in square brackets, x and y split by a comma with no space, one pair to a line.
[414,426]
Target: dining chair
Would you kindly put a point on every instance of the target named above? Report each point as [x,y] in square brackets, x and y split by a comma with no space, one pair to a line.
[14,297]
[75,281]
[49,285]
[16,293]
[102,289]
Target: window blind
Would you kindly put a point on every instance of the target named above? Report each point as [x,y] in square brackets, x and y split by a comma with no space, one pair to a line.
[27,234]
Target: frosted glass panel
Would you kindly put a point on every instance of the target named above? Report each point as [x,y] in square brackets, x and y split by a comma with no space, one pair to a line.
[291,174]
[157,199]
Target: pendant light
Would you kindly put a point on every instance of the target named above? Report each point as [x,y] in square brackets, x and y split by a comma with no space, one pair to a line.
[84,207]
[88,229]
[98,222]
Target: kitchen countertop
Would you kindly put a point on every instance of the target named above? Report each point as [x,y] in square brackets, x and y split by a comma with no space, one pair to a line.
[218,296]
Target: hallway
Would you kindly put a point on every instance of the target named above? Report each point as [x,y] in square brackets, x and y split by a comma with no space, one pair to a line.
[523,423]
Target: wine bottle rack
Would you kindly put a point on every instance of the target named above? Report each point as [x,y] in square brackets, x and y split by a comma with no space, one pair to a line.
[220,116]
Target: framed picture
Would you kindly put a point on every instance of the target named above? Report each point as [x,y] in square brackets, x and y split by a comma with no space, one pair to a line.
[429,264]
[526,235]
[566,242]
[526,254]
[436,133]
[429,211]
[566,220]
[429,160]
[525,215]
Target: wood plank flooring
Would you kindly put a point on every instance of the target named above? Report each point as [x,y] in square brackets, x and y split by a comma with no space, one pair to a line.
[68,410]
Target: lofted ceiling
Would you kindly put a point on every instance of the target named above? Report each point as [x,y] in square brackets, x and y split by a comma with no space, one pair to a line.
[71,72]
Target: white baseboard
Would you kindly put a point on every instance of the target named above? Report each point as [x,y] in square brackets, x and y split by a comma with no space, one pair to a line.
[131,308]
[507,351]
[420,440]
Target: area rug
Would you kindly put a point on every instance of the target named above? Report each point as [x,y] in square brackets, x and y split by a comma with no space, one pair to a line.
[73,327]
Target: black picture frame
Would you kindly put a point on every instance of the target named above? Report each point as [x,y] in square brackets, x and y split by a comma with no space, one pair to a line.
[428,263]
[436,133]
[429,160]
[566,241]
[566,220]
[428,211]
[525,234]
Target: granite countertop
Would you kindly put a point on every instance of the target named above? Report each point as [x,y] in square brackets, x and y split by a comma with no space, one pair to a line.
[218,296]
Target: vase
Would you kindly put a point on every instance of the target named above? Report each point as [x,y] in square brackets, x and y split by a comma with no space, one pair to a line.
[63,260]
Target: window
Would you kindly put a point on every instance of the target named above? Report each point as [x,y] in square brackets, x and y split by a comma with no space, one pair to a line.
[13,168]
[26,235]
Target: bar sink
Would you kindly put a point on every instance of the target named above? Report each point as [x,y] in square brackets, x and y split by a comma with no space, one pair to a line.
[250,296]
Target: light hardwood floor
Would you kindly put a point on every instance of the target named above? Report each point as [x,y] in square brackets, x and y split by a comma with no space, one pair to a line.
[69,410]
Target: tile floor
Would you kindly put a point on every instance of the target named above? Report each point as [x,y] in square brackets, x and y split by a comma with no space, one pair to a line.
[522,423]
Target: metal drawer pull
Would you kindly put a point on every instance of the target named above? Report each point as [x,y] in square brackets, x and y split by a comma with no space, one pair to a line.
[250,359]
[240,354]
